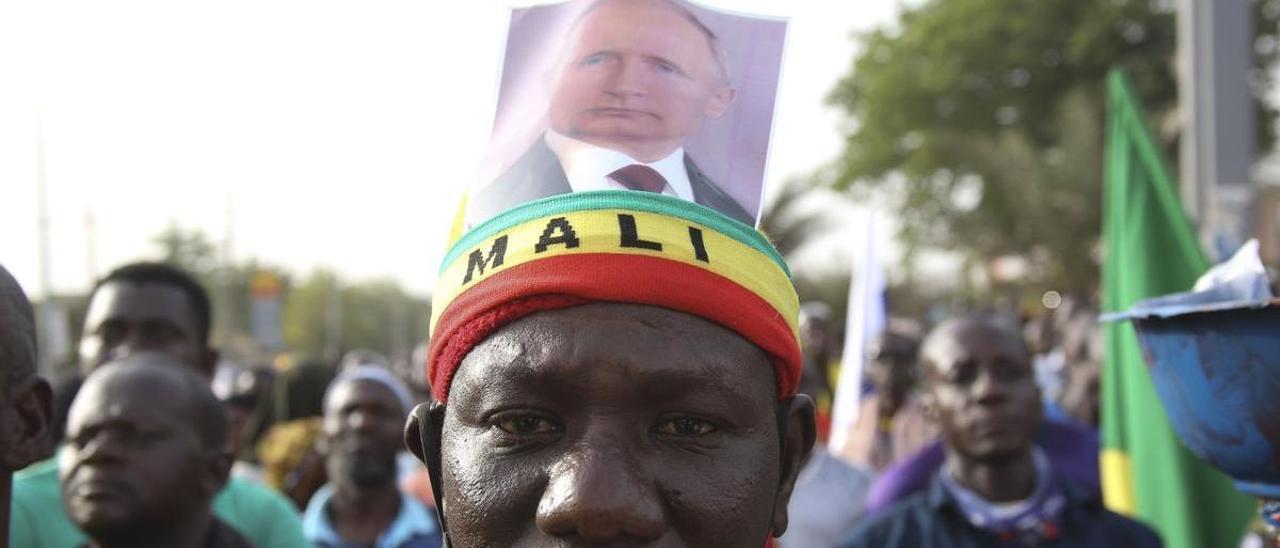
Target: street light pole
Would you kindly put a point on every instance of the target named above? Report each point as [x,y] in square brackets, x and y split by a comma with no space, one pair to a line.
[1216,105]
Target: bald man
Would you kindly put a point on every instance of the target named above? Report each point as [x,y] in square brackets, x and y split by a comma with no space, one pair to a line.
[149,307]
[25,399]
[146,453]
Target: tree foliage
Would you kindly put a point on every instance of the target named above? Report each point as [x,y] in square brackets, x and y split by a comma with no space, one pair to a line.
[376,315]
[981,120]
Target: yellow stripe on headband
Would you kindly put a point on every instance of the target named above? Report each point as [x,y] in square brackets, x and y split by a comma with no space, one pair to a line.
[619,231]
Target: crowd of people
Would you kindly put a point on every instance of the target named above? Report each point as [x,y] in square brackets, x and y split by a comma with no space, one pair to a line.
[624,365]
[536,400]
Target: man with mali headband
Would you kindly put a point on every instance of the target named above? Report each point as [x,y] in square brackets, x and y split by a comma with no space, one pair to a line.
[613,367]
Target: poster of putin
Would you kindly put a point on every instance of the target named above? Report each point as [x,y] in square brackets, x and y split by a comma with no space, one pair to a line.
[661,96]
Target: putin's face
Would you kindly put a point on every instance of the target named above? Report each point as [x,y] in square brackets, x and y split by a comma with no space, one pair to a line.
[637,77]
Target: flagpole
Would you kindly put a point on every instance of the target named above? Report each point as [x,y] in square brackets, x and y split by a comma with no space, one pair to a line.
[866,320]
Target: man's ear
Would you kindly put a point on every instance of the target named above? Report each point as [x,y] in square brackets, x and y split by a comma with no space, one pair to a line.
[27,423]
[929,406]
[428,416]
[217,471]
[422,437]
[322,441]
[802,432]
[209,362]
[720,101]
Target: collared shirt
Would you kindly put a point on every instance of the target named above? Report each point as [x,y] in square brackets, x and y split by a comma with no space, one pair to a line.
[414,526]
[934,520]
[587,167]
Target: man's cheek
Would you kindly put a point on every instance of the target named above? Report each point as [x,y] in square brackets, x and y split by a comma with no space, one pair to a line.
[479,476]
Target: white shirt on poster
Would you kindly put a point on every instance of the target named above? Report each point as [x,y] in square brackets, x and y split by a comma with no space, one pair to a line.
[587,167]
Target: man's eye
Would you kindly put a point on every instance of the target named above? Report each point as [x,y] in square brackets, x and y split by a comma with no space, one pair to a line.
[526,425]
[595,59]
[161,332]
[684,426]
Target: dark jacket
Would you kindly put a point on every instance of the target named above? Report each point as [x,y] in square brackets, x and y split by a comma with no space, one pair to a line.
[538,174]
[1072,450]
[220,535]
[933,520]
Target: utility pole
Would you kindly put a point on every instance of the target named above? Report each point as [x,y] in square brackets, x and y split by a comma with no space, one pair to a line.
[51,330]
[90,246]
[1216,105]
[229,311]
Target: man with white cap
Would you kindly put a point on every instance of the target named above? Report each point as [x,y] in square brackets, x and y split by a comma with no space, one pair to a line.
[364,411]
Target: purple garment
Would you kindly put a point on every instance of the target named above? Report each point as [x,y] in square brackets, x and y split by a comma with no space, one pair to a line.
[1072,451]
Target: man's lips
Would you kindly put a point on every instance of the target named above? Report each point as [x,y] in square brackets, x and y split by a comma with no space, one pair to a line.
[620,113]
[995,426]
[98,489]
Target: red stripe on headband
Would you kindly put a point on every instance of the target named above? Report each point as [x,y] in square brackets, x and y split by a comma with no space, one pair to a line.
[571,280]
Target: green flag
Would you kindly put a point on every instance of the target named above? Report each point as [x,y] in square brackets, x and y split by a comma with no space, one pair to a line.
[1151,250]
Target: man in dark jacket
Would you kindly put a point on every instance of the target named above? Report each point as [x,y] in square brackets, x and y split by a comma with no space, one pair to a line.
[996,487]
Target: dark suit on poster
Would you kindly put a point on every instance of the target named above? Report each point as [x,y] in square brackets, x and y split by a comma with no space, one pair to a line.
[538,174]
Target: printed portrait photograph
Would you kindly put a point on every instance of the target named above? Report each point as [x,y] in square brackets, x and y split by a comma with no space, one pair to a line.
[648,95]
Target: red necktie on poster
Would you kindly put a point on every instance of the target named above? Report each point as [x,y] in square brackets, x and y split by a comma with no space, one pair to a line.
[640,177]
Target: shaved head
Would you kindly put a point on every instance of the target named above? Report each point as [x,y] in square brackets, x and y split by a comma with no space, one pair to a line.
[17,333]
[167,375]
[959,332]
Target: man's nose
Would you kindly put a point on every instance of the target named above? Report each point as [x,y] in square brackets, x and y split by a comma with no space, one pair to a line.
[626,79]
[132,342]
[360,420]
[101,449]
[990,390]
[599,494]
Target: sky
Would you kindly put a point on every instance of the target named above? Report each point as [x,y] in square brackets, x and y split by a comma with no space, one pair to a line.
[306,133]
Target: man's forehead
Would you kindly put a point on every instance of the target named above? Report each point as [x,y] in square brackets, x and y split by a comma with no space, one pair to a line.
[130,399]
[631,346]
[363,392]
[628,22]
[967,340]
[129,300]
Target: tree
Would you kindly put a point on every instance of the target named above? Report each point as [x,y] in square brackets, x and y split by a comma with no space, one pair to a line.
[785,221]
[325,317]
[981,121]
[189,249]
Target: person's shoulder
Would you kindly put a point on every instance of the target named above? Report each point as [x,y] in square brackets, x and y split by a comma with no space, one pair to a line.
[244,491]
[261,514]
[225,536]
[1087,512]
[40,473]
[898,525]
[1127,532]
[36,516]
[36,496]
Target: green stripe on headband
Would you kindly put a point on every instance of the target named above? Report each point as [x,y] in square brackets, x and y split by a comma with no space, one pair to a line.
[614,199]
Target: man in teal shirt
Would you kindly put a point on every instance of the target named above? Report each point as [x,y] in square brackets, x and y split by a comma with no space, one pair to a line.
[148,307]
